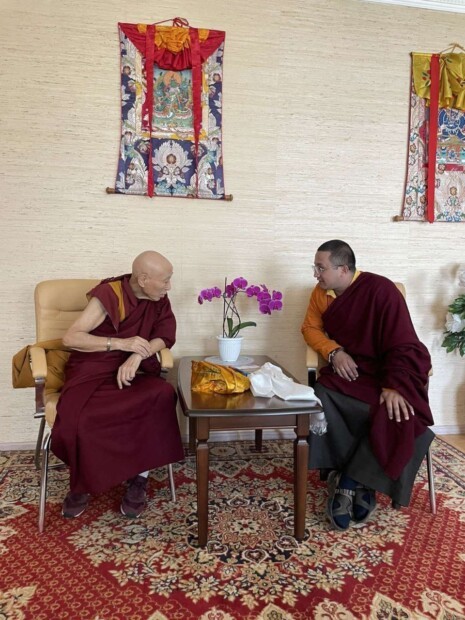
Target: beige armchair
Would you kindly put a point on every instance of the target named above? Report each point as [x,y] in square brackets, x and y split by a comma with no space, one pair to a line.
[57,304]
[315,361]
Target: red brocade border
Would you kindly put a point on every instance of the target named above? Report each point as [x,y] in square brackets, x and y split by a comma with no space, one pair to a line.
[401,564]
[433,136]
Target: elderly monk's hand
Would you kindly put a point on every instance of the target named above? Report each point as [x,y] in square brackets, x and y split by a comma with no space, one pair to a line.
[396,405]
[136,344]
[344,366]
[127,371]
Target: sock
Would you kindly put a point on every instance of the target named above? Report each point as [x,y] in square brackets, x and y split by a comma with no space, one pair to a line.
[347,483]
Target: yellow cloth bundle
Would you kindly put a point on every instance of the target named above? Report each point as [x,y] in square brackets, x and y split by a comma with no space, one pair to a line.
[207,377]
[57,356]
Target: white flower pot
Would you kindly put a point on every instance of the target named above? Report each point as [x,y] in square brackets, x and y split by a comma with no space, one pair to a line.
[229,348]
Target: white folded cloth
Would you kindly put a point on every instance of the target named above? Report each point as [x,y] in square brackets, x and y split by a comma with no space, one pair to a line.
[269,380]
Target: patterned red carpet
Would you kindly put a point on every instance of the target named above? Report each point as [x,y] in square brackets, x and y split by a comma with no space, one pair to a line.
[101,566]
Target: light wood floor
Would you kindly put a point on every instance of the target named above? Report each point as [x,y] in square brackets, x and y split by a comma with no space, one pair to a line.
[458,441]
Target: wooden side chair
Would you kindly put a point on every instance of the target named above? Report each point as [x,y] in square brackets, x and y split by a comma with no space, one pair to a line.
[57,304]
[314,362]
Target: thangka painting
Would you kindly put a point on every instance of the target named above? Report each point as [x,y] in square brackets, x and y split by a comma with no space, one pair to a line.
[171,111]
[435,180]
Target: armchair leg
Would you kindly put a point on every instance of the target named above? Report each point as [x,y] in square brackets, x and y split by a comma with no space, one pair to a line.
[432,493]
[311,377]
[43,482]
[171,482]
[40,438]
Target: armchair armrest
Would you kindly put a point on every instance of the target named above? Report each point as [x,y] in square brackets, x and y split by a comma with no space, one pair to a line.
[166,359]
[312,358]
[38,362]
[314,363]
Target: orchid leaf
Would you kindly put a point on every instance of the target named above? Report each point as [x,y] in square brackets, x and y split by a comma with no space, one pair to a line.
[235,331]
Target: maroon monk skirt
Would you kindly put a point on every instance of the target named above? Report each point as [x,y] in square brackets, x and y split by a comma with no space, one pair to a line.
[346,447]
[107,435]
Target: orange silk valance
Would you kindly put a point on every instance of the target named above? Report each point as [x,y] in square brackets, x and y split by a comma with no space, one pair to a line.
[173,38]
[173,46]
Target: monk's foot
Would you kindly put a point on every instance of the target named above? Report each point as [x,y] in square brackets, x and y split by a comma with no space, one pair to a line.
[364,503]
[74,505]
[133,502]
[340,498]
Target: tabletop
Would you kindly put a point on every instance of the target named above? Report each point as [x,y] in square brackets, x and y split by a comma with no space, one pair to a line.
[198,403]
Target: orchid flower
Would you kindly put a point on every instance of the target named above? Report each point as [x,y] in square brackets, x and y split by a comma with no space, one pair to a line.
[232,323]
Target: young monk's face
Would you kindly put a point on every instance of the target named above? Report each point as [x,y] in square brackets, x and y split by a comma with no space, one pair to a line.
[329,276]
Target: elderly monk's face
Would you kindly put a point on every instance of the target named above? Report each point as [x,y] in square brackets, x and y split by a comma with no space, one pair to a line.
[329,276]
[157,283]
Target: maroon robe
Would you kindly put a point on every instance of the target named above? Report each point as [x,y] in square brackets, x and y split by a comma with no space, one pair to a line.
[107,435]
[372,322]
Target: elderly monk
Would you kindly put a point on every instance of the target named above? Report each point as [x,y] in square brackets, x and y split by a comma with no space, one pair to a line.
[374,390]
[116,417]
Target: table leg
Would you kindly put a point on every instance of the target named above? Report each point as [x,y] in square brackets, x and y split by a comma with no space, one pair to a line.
[202,434]
[258,439]
[300,474]
[192,431]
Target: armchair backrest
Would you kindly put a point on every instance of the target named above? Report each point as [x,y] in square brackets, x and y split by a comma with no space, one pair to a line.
[58,303]
[401,288]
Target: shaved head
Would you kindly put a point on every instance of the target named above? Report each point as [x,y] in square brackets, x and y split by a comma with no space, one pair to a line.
[151,275]
[150,261]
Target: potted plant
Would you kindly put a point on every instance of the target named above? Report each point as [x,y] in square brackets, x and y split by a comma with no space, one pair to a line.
[455,322]
[230,342]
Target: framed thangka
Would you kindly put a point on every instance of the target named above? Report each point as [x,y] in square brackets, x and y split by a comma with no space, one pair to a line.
[435,180]
[171,111]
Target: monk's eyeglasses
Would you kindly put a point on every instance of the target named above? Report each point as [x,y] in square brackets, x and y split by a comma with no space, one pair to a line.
[320,270]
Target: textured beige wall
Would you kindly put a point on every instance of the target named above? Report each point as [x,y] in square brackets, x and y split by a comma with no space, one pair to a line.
[315,132]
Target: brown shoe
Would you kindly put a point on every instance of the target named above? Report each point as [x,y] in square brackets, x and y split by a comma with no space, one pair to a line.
[74,505]
[133,502]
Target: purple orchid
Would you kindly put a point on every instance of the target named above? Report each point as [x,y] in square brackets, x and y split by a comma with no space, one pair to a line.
[207,294]
[232,324]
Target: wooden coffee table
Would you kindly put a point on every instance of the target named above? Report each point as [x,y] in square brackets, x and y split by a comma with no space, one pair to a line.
[242,412]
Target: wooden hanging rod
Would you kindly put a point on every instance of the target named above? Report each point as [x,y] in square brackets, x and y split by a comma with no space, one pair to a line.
[111,190]
[401,218]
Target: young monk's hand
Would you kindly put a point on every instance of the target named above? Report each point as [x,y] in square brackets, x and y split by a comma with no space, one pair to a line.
[396,405]
[344,366]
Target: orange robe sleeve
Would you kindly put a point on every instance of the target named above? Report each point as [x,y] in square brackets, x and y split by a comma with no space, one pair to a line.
[312,327]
